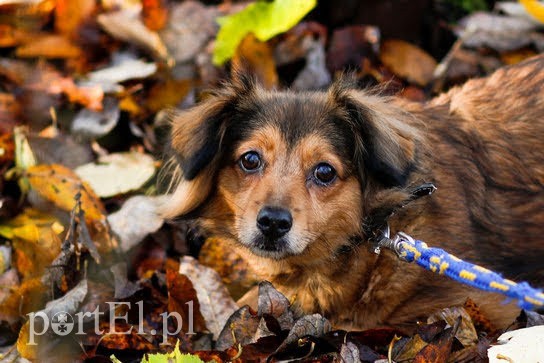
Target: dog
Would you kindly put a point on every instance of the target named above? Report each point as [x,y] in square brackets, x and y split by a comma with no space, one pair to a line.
[301,182]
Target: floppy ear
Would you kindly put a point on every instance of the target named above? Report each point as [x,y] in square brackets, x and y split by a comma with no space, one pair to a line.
[385,144]
[198,140]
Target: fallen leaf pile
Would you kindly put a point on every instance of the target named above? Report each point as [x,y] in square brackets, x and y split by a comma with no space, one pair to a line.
[85,89]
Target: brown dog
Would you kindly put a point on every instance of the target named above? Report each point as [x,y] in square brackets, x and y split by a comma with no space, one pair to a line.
[301,181]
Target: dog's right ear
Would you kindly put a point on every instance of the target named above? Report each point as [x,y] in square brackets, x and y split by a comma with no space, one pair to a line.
[197,141]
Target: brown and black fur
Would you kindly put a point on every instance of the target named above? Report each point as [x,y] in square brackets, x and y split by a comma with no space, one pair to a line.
[481,144]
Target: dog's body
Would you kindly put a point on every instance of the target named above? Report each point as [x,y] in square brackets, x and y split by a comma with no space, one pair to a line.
[300,181]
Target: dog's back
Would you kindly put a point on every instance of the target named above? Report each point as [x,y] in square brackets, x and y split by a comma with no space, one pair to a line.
[489,135]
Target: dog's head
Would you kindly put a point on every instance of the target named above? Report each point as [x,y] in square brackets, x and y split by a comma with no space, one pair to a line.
[288,174]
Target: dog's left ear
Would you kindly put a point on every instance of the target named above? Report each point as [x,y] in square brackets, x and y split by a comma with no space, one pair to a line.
[385,144]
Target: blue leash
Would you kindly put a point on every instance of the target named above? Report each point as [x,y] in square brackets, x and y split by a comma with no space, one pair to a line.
[441,262]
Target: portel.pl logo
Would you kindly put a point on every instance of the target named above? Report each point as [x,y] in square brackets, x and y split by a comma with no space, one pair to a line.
[62,323]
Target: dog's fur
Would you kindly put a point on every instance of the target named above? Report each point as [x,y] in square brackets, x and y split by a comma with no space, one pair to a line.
[481,145]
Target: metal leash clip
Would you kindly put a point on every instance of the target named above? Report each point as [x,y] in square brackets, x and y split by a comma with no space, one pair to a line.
[393,244]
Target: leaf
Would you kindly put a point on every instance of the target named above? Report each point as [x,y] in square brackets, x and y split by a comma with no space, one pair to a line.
[232,268]
[136,219]
[175,357]
[313,325]
[167,94]
[264,19]
[498,32]
[10,112]
[351,44]
[90,124]
[272,302]
[27,297]
[216,304]
[124,25]
[36,241]
[239,328]
[124,67]
[535,8]
[181,293]
[70,14]
[154,14]
[49,46]
[117,173]
[523,345]
[24,157]
[408,61]
[466,333]
[258,56]
[59,185]
[190,27]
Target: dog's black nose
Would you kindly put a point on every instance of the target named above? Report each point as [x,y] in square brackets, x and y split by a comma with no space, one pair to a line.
[274,222]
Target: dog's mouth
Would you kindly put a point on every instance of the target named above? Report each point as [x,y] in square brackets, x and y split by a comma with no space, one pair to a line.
[275,248]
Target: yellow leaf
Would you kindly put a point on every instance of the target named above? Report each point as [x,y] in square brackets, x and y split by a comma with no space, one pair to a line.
[26,350]
[30,296]
[60,185]
[534,8]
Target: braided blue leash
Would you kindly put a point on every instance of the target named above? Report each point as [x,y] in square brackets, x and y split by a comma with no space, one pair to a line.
[441,262]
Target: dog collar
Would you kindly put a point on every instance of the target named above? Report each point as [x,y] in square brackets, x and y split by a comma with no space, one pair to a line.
[378,230]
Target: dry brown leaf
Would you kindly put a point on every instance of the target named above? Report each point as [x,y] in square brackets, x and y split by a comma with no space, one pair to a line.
[49,46]
[273,302]
[124,25]
[181,293]
[190,27]
[167,94]
[466,333]
[239,328]
[29,14]
[10,112]
[59,185]
[232,268]
[216,304]
[351,45]
[45,78]
[259,58]
[408,61]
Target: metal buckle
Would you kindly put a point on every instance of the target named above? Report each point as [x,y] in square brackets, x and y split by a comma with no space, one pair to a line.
[394,243]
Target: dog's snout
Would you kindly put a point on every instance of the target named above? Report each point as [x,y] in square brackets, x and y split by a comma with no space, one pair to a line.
[274,221]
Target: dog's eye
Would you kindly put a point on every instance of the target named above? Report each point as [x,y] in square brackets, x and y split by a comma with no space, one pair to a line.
[324,174]
[250,161]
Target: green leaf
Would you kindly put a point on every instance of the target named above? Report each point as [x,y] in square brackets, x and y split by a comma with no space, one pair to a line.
[265,19]
[175,357]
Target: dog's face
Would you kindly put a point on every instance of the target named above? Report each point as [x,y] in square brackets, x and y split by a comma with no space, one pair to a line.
[287,174]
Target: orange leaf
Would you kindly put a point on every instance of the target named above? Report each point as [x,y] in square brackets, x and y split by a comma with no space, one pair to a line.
[49,46]
[59,185]
[167,94]
[7,148]
[10,112]
[258,56]
[154,13]
[27,297]
[408,61]
[232,268]
[70,14]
